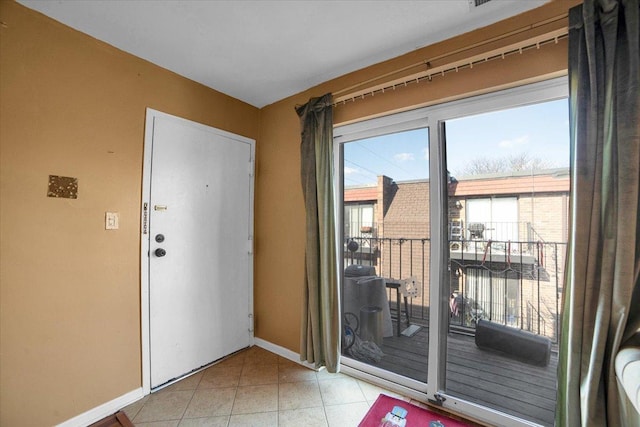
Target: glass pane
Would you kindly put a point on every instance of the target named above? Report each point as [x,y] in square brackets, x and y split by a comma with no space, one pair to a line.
[386,246]
[508,197]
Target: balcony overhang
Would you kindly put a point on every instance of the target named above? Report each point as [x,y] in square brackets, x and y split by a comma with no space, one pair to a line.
[523,265]
[474,257]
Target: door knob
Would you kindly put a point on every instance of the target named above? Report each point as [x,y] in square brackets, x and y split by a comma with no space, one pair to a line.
[160,252]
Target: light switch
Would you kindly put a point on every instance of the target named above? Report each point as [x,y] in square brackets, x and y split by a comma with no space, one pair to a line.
[111,220]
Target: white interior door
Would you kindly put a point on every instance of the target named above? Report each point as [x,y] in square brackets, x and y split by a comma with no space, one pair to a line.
[200,225]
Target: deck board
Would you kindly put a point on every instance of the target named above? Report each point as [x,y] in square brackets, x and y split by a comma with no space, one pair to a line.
[479,376]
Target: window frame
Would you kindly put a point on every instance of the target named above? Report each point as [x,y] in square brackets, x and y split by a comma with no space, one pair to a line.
[434,117]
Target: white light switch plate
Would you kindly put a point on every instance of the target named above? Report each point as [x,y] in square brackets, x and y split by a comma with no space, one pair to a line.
[111,220]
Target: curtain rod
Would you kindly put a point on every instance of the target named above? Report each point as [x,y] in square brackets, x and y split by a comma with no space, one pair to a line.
[503,36]
[427,75]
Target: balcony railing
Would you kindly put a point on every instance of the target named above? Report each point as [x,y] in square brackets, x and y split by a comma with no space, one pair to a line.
[515,283]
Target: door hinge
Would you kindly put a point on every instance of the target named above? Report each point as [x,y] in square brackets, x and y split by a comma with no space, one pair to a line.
[250,245]
[250,322]
[251,170]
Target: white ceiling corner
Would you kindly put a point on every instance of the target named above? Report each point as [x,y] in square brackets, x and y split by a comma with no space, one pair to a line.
[264,51]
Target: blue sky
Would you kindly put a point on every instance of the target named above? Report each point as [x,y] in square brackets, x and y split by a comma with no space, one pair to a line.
[540,130]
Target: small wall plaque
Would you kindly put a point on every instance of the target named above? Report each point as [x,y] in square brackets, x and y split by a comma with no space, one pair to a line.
[63,186]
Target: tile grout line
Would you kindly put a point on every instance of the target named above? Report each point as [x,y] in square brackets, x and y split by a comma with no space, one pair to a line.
[324,406]
[278,392]
[247,366]
[190,400]
[235,394]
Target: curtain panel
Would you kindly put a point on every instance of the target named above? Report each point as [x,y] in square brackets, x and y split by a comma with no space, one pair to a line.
[320,331]
[601,303]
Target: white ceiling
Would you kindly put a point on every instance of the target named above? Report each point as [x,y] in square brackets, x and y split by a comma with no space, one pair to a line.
[263,51]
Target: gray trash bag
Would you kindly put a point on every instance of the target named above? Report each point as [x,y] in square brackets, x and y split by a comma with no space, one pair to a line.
[365,351]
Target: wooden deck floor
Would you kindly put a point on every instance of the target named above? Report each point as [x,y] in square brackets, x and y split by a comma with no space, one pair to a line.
[479,376]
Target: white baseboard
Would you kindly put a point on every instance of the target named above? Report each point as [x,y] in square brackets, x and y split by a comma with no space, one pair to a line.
[113,406]
[104,410]
[284,352]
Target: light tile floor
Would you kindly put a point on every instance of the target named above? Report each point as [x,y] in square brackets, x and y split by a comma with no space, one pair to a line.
[258,388]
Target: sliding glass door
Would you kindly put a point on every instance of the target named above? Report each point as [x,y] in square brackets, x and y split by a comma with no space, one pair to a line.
[453,251]
[386,248]
[508,192]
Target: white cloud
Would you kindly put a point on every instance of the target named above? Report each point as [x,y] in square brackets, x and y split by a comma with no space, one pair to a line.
[350,171]
[403,157]
[515,142]
[425,153]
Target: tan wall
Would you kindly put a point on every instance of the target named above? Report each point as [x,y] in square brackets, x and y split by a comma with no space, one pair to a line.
[280,211]
[70,291]
[73,106]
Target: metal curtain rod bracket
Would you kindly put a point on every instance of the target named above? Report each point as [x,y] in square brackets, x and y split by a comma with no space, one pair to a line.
[500,53]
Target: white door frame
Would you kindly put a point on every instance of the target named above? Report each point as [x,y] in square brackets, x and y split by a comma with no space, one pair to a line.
[151,115]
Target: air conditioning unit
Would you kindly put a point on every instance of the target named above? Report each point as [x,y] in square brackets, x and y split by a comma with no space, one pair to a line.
[476,3]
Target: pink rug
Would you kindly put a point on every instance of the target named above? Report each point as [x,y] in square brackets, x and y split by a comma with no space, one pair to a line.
[416,416]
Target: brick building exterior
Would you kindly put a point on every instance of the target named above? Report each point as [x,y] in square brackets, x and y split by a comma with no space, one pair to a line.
[519,257]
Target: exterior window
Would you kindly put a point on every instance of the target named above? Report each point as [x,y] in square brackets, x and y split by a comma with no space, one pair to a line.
[491,296]
[359,221]
[493,218]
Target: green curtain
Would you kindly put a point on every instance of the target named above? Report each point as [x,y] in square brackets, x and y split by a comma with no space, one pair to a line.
[601,304]
[320,332]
